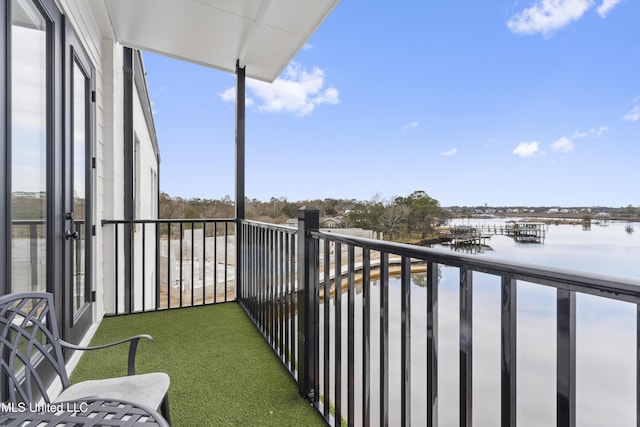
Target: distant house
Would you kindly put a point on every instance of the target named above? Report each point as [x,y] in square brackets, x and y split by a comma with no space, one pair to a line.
[553,210]
[332,222]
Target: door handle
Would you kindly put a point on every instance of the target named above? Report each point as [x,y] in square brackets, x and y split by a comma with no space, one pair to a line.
[68,234]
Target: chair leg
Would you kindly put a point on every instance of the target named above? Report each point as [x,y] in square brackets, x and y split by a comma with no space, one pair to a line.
[164,408]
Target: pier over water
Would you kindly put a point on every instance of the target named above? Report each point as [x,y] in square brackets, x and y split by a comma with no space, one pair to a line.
[522,232]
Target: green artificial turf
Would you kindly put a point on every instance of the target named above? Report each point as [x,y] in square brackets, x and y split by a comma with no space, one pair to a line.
[222,371]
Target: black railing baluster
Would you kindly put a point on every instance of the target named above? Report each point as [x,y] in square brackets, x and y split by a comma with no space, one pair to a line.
[157,264]
[366,337]
[432,344]
[351,333]
[384,339]
[327,329]
[638,365]
[193,260]
[215,262]
[508,352]
[405,363]
[316,323]
[181,277]
[269,283]
[566,358]
[144,263]
[203,262]
[466,346]
[337,333]
[226,259]
[169,284]
[116,269]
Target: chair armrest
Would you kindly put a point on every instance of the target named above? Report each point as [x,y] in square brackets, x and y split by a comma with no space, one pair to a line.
[133,345]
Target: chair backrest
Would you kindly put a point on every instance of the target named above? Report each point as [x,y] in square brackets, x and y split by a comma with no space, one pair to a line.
[30,349]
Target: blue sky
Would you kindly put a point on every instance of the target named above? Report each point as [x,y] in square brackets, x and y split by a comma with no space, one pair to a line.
[535,102]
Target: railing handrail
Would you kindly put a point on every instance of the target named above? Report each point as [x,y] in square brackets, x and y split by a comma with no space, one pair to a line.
[617,288]
[276,227]
[165,221]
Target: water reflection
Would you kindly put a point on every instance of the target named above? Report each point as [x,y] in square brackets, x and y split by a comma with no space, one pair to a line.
[605,354]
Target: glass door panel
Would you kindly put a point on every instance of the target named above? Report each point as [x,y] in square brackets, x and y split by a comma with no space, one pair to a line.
[79,142]
[77,177]
[29,89]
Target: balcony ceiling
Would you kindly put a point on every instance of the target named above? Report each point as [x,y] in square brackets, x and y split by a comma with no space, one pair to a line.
[264,35]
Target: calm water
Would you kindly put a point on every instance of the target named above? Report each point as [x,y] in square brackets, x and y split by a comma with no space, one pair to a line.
[606,371]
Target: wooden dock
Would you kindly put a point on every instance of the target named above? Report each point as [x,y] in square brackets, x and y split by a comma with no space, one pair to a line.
[522,232]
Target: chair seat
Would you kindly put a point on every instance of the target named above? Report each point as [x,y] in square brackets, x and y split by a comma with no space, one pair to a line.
[147,389]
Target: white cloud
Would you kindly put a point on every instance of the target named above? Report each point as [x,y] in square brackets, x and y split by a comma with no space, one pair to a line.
[634,114]
[450,152]
[546,16]
[307,46]
[600,131]
[410,125]
[606,7]
[564,145]
[228,95]
[298,91]
[591,132]
[527,149]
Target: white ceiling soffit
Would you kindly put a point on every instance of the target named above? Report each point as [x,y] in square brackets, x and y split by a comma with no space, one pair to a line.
[264,35]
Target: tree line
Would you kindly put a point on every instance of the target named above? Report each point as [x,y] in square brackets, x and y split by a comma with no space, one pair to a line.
[410,218]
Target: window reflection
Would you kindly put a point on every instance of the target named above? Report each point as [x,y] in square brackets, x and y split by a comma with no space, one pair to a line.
[28,146]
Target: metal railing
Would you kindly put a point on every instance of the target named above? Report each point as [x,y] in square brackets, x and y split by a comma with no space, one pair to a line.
[335,273]
[268,291]
[337,310]
[168,263]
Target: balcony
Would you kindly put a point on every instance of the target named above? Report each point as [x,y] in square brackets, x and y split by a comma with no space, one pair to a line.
[222,372]
[383,356]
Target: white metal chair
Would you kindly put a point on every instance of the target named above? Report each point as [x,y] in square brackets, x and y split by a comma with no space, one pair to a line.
[31,347]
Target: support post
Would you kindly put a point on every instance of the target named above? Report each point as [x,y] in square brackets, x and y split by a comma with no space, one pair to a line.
[240,132]
[308,220]
[129,174]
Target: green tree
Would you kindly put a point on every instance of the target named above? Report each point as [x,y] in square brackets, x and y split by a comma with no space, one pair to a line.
[290,210]
[358,216]
[424,212]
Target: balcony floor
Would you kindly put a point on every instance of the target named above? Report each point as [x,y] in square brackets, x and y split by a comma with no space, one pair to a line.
[222,371]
